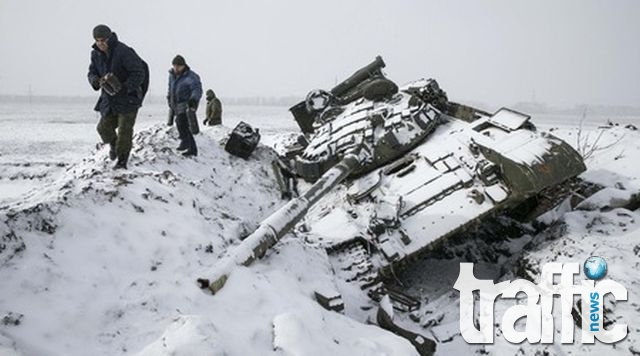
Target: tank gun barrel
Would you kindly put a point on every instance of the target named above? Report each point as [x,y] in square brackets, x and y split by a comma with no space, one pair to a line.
[359,76]
[273,228]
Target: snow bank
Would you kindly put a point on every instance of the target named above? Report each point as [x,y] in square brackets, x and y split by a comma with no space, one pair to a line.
[613,235]
[110,258]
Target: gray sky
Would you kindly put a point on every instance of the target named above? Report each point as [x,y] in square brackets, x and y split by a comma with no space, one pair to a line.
[497,52]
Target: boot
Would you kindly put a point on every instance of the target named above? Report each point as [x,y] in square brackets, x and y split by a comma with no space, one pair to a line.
[190,153]
[183,146]
[121,164]
[112,152]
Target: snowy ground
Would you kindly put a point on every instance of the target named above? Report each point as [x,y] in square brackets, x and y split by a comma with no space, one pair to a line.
[38,140]
[104,263]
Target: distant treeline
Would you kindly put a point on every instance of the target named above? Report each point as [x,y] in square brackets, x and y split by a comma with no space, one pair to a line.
[525,107]
[261,100]
[587,109]
[152,99]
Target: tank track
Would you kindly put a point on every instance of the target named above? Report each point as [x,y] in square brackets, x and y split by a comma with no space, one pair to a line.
[351,262]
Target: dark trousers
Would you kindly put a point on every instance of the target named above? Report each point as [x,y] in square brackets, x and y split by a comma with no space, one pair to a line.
[184,133]
[122,140]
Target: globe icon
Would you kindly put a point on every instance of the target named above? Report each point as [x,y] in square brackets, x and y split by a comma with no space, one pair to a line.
[595,267]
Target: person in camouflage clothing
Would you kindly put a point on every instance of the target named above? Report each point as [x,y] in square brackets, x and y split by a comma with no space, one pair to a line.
[214,109]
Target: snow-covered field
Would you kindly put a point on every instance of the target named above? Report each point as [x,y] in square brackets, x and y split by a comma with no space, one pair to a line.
[99,262]
[39,139]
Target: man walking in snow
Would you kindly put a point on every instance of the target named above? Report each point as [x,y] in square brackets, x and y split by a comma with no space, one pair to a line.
[124,79]
[185,91]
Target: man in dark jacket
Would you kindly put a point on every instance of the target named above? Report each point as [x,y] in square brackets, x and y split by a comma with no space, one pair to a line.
[124,78]
[185,91]
[214,109]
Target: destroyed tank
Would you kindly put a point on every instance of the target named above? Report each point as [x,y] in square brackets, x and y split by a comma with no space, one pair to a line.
[419,168]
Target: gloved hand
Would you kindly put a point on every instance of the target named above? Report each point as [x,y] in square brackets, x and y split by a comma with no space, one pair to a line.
[95,82]
[191,104]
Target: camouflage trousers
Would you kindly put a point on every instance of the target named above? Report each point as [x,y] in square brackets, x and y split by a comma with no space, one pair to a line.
[122,140]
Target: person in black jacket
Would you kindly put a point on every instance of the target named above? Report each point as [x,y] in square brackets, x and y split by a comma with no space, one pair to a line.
[185,91]
[124,79]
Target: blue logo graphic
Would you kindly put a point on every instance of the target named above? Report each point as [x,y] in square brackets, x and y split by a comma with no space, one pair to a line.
[595,267]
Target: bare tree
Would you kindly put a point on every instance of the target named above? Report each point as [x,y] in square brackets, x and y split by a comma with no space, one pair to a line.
[588,145]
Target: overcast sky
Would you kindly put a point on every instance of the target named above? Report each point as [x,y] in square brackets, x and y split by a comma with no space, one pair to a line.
[497,52]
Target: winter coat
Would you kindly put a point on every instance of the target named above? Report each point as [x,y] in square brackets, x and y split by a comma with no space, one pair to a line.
[128,67]
[214,109]
[182,89]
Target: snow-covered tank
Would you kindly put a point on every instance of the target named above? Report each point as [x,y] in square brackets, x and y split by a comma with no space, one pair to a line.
[419,168]
[433,168]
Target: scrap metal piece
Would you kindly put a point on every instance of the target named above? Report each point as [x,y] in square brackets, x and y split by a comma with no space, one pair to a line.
[384,317]
[400,300]
[330,300]
[243,140]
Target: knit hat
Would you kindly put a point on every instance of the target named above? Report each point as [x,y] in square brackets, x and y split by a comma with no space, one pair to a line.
[179,60]
[101,31]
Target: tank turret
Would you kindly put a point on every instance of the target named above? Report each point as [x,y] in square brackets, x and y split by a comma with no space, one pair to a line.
[346,91]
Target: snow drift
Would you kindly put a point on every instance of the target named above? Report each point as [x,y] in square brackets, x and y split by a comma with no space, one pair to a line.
[104,262]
